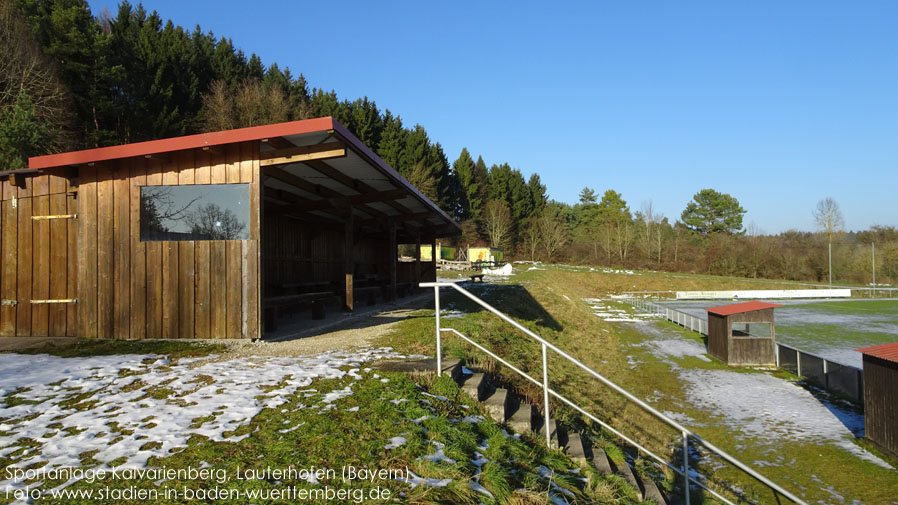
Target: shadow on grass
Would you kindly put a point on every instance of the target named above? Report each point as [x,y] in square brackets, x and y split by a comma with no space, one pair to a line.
[512,299]
[83,347]
[848,412]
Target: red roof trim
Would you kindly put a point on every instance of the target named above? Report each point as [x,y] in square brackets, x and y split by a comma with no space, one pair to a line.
[888,352]
[229,137]
[181,143]
[739,308]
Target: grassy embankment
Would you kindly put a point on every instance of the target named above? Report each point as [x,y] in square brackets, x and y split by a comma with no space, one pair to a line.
[549,302]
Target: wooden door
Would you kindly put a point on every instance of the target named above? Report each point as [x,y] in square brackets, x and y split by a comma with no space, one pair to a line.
[38,245]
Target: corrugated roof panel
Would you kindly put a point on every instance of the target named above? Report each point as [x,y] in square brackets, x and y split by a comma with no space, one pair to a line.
[888,352]
[739,308]
[386,209]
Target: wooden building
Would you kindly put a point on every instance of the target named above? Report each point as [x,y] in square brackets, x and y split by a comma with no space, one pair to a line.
[205,236]
[880,391]
[742,333]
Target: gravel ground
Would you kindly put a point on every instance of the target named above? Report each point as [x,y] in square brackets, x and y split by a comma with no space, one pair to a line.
[358,332]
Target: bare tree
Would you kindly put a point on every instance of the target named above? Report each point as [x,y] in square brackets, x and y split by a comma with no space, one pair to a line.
[552,232]
[218,108]
[829,220]
[623,237]
[211,222]
[29,78]
[652,232]
[258,104]
[497,223]
[422,178]
[251,104]
[532,241]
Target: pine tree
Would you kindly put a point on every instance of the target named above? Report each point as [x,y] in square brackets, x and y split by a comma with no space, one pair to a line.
[392,140]
[588,196]
[470,201]
[22,134]
[415,150]
[68,36]
[255,69]
[228,64]
[366,121]
[537,193]
[447,183]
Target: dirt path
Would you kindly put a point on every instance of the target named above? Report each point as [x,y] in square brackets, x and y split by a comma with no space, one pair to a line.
[357,332]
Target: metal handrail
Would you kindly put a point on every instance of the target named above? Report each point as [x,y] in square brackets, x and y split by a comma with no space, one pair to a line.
[685,432]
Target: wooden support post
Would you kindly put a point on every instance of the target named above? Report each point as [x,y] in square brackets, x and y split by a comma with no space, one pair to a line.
[418,260]
[432,274]
[394,258]
[349,260]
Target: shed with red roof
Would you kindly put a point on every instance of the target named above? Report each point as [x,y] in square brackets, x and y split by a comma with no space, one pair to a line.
[208,235]
[880,390]
[742,333]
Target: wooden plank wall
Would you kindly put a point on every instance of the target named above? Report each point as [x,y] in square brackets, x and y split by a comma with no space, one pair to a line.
[880,407]
[718,337]
[296,251]
[39,257]
[127,289]
[751,350]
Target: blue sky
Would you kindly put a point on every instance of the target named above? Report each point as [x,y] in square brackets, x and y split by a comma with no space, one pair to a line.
[780,104]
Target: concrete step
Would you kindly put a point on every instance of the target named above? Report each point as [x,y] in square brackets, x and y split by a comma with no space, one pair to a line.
[521,418]
[476,385]
[650,491]
[553,432]
[495,404]
[503,406]
[624,470]
[574,448]
[601,462]
[453,368]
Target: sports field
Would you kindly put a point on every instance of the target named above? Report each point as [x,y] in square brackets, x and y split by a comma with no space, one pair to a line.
[829,328]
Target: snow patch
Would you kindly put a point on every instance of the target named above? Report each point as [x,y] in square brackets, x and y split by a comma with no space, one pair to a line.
[766,407]
[150,397]
[504,271]
[396,442]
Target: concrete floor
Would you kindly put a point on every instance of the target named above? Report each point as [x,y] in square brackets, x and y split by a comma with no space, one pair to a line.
[301,324]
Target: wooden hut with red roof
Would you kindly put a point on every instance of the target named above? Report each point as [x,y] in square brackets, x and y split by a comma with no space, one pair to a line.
[880,391]
[743,333]
[206,236]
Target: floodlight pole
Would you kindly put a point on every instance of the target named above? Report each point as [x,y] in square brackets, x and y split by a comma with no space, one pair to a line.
[830,263]
[874,266]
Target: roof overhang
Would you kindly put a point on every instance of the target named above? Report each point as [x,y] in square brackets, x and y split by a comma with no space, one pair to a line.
[314,164]
[888,352]
[740,308]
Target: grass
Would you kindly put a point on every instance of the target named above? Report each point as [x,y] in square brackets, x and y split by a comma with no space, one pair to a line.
[429,415]
[871,322]
[549,303]
[82,347]
[885,308]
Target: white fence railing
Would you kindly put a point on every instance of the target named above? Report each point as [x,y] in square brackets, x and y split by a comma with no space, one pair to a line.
[833,376]
[689,474]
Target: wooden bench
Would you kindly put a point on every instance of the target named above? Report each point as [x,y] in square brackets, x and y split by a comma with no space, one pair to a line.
[369,293]
[274,303]
[404,289]
[276,289]
[476,276]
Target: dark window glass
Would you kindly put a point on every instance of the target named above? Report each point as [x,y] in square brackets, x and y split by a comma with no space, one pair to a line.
[194,212]
[757,330]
